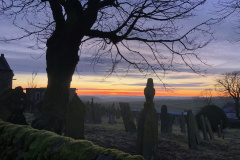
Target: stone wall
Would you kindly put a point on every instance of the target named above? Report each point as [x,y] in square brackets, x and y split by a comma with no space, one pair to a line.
[23,142]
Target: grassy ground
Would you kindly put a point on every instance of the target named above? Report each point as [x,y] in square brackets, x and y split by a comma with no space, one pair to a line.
[170,146]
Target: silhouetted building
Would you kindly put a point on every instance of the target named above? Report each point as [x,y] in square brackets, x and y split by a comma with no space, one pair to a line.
[36,94]
[6,74]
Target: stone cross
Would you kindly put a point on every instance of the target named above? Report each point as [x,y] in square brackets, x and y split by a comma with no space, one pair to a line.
[147,132]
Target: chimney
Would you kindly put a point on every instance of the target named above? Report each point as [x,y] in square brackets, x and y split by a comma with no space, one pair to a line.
[2,55]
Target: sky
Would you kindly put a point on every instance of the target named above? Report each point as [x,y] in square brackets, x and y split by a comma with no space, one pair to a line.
[220,54]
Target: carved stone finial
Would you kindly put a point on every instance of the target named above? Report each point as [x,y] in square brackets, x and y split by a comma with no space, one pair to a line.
[149,91]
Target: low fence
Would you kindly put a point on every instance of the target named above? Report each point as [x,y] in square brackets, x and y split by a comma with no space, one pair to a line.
[23,142]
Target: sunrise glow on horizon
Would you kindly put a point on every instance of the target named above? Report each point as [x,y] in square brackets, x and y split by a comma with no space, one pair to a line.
[93,85]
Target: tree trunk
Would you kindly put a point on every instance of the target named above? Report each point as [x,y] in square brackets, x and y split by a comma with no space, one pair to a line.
[62,58]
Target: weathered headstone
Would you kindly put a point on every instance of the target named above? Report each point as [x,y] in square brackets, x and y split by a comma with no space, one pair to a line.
[164,119]
[127,117]
[89,115]
[12,104]
[147,133]
[204,129]
[209,128]
[97,114]
[111,115]
[75,118]
[182,124]
[118,113]
[170,120]
[103,111]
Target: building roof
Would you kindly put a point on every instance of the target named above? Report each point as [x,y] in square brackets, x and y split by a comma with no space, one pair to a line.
[229,109]
[3,64]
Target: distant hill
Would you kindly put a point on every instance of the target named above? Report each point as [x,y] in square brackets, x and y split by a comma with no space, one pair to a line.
[173,103]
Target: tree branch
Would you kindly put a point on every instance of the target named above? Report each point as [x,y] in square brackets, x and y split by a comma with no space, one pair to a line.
[57,14]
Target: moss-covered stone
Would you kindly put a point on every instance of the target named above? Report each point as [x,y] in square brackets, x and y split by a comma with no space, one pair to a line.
[28,143]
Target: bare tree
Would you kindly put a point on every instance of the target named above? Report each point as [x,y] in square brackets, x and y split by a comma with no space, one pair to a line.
[33,83]
[205,96]
[227,9]
[114,27]
[229,86]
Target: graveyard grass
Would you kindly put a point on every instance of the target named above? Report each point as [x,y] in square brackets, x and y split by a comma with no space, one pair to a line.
[170,145]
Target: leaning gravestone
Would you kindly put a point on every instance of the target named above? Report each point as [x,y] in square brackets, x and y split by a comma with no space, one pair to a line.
[209,128]
[193,132]
[164,119]
[75,118]
[127,117]
[147,133]
[204,129]
[197,134]
[111,115]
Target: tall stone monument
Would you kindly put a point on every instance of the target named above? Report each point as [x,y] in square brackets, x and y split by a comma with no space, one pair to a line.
[147,134]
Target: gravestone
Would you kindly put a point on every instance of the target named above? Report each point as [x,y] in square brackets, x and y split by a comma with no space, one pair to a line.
[164,119]
[89,115]
[193,132]
[138,113]
[75,118]
[209,129]
[103,111]
[12,104]
[97,114]
[127,117]
[170,121]
[182,124]
[118,113]
[147,133]
[204,129]
[197,134]
[111,114]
